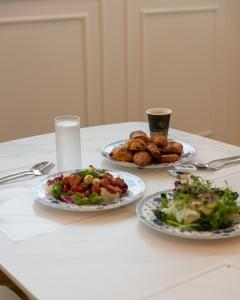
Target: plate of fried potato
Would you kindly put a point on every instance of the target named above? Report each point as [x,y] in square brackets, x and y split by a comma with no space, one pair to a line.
[142,151]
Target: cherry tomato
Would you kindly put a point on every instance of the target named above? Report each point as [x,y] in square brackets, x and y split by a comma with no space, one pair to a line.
[113,189]
[82,187]
[117,181]
[104,182]
[96,188]
[108,176]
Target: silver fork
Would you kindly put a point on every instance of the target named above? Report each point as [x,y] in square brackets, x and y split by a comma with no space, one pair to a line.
[219,166]
[218,163]
[37,170]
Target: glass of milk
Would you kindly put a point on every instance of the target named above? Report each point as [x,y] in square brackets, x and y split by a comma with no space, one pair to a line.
[68,147]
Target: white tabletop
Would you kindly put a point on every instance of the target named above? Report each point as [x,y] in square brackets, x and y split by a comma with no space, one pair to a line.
[112,255]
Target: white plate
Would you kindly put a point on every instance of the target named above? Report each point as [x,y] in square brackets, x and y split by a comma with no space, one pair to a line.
[145,213]
[136,188]
[189,151]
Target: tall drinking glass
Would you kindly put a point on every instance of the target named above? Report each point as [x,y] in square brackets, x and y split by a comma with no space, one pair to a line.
[68,148]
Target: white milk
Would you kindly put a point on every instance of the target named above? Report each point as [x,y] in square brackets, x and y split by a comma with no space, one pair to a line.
[68,149]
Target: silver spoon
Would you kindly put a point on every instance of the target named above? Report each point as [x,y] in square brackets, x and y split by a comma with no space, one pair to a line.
[37,170]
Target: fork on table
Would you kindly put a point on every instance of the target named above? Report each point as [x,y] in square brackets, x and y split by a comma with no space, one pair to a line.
[37,170]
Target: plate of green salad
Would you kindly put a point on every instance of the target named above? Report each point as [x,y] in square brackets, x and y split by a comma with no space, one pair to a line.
[195,209]
[90,189]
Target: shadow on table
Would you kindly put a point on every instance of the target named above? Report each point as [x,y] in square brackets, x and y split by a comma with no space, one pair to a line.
[186,246]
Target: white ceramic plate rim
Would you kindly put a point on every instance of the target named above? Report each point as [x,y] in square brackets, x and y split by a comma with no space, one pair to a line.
[170,230]
[43,197]
[106,153]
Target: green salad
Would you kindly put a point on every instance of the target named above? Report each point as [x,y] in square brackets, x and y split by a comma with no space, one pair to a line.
[198,205]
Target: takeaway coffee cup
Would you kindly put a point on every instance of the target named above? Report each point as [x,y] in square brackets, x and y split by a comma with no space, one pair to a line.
[159,119]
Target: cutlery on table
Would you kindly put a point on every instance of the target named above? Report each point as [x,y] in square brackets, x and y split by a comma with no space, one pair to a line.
[217,164]
[37,170]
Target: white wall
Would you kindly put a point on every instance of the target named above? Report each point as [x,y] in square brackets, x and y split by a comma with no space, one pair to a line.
[107,61]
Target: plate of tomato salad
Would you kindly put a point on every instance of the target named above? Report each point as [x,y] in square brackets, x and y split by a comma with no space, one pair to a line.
[90,189]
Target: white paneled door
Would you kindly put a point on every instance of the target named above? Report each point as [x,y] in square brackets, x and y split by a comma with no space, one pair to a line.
[50,65]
